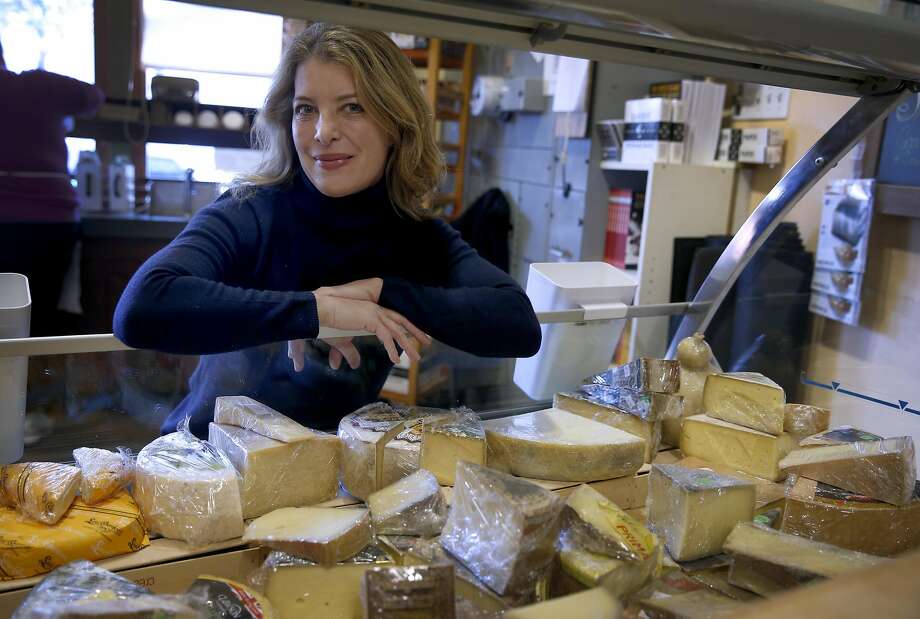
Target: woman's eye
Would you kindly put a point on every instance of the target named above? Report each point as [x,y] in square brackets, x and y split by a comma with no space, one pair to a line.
[303,109]
[354,108]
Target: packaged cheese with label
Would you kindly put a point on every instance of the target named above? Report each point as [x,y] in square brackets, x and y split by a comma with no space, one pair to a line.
[298,587]
[109,528]
[103,472]
[767,561]
[696,363]
[558,445]
[694,510]
[219,598]
[804,419]
[885,470]
[188,490]
[827,514]
[42,491]
[276,474]
[413,505]
[244,412]
[585,406]
[449,438]
[413,591]
[748,399]
[643,374]
[324,535]
[502,528]
[80,589]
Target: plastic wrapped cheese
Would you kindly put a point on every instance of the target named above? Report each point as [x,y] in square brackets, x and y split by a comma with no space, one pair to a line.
[80,589]
[413,505]
[411,591]
[276,474]
[246,413]
[558,445]
[103,472]
[220,598]
[885,470]
[642,404]
[694,510]
[500,527]
[324,535]
[109,528]
[449,438]
[188,490]
[643,374]
[805,419]
[748,399]
[840,435]
[43,491]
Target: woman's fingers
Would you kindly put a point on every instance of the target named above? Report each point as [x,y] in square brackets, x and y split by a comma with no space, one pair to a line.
[405,325]
[403,337]
[343,347]
[335,358]
[296,350]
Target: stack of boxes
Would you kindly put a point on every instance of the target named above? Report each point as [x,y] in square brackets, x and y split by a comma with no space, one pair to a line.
[761,145]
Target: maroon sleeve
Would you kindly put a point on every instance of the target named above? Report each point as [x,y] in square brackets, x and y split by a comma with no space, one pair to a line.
[66,95]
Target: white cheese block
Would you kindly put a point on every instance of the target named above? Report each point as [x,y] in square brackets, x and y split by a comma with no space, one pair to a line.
[803,419]
[188,490]
[767,561]
[411,506]
[558,445]
[42,491]
[595,603]
[244,412]
[324,535]
[501,528]
[297,588]
[748,399]
[276,474]
[885,470]
[447,439]
[694,510]
[648,430]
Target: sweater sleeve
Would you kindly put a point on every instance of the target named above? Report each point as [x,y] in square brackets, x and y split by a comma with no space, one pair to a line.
[191,297]
[479,308]
[69,96]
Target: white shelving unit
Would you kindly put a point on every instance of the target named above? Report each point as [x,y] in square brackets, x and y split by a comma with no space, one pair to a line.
[681,200]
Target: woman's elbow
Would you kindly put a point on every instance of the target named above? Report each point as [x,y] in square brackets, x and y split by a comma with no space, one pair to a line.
[130,323]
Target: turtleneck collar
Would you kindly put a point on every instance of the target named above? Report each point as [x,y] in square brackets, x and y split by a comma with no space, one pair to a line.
[374,199]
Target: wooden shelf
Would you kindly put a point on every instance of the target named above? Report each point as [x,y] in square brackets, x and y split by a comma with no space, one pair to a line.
[419,58]
[120,131]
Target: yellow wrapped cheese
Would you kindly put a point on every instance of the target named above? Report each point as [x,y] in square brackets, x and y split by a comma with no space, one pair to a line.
[42,491]
[107,529]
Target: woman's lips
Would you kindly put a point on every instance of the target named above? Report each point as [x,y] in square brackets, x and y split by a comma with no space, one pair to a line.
[331,162]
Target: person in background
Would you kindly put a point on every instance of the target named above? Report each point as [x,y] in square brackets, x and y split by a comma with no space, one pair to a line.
[330,231]
[38,206]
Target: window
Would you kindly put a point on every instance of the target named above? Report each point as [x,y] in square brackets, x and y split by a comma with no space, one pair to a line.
[215,165]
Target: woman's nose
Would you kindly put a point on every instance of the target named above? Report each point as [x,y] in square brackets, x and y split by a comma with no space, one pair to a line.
[326,130]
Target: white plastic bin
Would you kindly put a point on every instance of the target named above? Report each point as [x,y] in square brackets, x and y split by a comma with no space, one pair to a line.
[15,314]
[572,351]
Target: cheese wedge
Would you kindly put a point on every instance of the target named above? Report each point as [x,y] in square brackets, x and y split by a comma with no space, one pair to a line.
[589,569]
[555,444]
[414,591]
[767,561]
[103,472]
[187,490]
[694,510]
[748,399]
[885,470]
[702,604]
[593,603]
[43,491]
[448,439]
[749,451]
[276,474]
[500,527]
[583,406]
[411,506]
[804,419]
[321,534]
[244,412]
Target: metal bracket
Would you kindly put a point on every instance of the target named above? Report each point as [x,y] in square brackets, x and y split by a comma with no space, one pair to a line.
[882,86]
[547,32]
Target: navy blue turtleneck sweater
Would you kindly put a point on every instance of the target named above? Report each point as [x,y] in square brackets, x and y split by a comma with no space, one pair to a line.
[236,284]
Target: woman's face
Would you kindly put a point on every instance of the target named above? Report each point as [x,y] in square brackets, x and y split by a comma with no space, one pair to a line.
[341,148]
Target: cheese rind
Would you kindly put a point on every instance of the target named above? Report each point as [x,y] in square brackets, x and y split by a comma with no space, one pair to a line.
[324,535]
[244,412]
[885,470]
[749,451]
[805,419]
[766,492]
[43,491]
[767,561]
[694,510]
[584,406]
[643,374]
[500,527]
[642,404]
[413,505]
[188,490]
[592,603]
[827,514]
[450,438]
[558,445]
[748,399]
[414,591]
[103,472]
[595,523]
[276,474]
[702,604]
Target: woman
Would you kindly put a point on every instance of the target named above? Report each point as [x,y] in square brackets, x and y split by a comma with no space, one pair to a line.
[328,232]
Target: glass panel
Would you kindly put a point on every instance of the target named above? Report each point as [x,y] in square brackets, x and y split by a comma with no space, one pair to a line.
[54,35]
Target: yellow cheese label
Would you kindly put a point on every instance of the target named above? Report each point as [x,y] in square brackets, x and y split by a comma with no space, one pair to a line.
[107,529]
[632,533]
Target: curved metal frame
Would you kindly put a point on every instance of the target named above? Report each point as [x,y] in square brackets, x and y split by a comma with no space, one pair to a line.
[801,177]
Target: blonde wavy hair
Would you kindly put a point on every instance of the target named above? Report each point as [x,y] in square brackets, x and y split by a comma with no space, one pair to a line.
[386,86]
